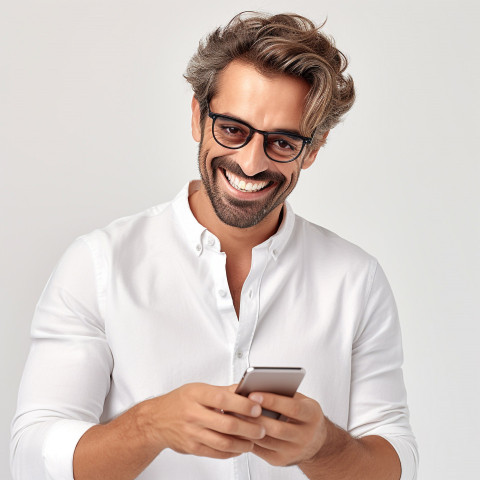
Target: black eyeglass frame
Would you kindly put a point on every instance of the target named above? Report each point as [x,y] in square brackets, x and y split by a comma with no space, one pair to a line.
[305,140]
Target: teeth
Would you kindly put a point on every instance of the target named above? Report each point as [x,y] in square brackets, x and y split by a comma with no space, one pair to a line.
[235,182]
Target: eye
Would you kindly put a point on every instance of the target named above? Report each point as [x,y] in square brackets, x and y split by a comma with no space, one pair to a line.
[282,144]
[229,133]
[230,130]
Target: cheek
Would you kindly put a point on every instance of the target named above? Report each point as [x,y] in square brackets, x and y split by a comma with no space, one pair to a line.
[202,157]
[291,173]
[207,152]
[205,158]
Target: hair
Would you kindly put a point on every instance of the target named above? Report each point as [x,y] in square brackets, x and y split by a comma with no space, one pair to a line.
[278,44]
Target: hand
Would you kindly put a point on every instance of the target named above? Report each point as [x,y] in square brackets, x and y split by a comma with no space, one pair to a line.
[293,441]
[190,420]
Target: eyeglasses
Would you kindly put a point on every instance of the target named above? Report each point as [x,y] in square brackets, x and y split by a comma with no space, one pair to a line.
[279,146]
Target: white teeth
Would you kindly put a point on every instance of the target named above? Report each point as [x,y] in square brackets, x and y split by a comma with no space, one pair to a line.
[235,182]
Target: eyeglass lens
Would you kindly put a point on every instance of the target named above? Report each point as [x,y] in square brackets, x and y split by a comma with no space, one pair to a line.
[278,146]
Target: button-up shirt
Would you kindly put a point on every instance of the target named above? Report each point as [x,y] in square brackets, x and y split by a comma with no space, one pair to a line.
[143,306]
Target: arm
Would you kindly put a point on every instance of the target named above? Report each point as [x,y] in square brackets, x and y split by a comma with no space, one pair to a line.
[342,457]
[187,420]
[67,377]
[67,373]
[379,434]
[320,448]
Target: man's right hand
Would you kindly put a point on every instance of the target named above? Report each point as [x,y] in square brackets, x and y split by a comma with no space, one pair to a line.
[188,420]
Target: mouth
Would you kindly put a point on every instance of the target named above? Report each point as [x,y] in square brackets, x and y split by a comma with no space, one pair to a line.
[244,185]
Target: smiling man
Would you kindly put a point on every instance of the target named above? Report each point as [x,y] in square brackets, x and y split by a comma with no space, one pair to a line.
[146,325]
[247,185]
[247,173]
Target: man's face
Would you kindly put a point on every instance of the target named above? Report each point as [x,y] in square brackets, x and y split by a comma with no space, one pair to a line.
[244,185]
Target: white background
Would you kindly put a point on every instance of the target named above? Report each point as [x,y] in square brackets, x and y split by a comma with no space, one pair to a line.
[95,124]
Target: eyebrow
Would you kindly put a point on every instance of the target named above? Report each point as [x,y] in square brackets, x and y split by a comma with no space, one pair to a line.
[277,130]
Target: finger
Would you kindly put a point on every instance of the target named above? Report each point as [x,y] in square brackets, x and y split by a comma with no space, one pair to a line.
[273,457]
[298,408]
[231,425]
[225,443]
[221,398]
[273,443]
[280,430]
[204,451]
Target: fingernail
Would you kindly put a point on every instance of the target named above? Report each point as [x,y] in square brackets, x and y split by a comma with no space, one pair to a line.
[256,397]
[256,410]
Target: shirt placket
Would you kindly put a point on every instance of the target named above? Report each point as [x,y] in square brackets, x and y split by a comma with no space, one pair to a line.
[249,313]
[209,248]
[240,331]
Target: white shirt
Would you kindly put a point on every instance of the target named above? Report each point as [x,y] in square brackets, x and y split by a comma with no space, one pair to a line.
[143,306]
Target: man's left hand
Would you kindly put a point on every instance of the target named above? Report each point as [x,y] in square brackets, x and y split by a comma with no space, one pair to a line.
[293,441]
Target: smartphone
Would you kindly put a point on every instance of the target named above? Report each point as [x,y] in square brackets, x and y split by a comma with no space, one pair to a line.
[279,380]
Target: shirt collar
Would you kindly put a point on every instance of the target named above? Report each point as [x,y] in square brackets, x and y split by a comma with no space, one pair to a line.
[196,234]
[277,242]
[193,230]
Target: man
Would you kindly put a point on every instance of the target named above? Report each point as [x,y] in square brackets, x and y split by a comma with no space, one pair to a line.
[146,325]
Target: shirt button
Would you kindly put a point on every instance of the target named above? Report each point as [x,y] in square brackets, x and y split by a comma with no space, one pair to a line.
[239,354]
[210,242]
[275,253]
[250,293]
[198,247]
[222,293]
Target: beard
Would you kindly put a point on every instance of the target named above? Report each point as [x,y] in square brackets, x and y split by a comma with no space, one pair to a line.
[235,212]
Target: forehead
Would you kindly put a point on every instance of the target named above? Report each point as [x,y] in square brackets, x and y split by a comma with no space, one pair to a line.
[265,101]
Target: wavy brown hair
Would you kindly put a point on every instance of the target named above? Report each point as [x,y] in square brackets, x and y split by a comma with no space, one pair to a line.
[278,44]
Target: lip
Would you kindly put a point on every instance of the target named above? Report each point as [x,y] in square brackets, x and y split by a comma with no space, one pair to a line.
[245,195]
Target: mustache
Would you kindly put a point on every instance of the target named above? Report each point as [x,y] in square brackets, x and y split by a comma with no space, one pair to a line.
[227,164]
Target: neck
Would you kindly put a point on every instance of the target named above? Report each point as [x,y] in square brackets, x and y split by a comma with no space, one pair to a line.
[233,239]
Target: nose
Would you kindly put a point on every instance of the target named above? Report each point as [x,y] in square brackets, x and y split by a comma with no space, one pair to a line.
[251,158]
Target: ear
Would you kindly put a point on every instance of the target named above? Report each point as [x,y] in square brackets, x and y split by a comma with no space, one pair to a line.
[196,128]
[310,158]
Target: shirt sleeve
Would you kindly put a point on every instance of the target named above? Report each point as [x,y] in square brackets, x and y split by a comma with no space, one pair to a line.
[67,374]
[378,401]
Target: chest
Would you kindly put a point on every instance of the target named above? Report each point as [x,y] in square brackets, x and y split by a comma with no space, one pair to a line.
[237,270]
[185,328]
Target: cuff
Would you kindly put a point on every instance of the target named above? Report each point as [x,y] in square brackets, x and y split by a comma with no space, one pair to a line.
[59,446]
[408,454]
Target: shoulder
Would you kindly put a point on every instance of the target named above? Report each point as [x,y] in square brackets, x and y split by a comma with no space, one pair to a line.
[141,227]
[325,244]
[329,259]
